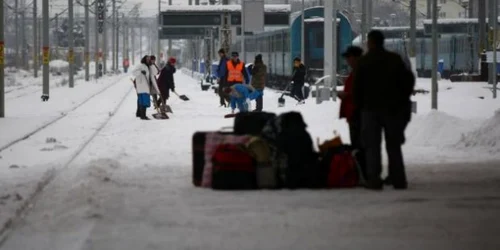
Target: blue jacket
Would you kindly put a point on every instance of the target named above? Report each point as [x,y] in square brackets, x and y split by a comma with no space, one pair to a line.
[221,69]
[243,92]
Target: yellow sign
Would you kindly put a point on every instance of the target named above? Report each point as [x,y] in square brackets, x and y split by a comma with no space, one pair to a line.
[71,56]
[2,46]
[87,57]
[45,55]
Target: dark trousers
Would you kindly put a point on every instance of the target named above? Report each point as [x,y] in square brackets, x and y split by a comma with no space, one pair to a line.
[138,112]
[223,97]
[259,103]
[355,134]
[141,111]
[393,125]
[297,92]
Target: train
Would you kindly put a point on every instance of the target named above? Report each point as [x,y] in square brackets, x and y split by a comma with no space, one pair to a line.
[280,47]
[456,51]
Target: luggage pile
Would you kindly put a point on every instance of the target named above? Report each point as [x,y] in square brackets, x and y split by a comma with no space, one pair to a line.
[266,151]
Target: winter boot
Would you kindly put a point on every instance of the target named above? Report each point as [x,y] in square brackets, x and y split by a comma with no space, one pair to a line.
[143,114]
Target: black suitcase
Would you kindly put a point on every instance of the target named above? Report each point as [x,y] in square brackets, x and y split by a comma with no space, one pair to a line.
[198,152]
[251,123]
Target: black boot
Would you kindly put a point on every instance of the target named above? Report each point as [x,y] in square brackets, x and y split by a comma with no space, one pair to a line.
[143,114]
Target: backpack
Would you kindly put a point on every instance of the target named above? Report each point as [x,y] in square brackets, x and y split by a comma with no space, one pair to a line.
[340,167]
[233,168]
[292,150]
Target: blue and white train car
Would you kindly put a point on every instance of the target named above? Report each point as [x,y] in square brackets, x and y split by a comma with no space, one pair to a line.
[279,47]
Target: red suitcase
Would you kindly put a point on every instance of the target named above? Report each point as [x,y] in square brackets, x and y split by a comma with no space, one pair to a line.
[198,152]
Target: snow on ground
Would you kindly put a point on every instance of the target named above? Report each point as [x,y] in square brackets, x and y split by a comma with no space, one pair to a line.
[131,188]
[27,112]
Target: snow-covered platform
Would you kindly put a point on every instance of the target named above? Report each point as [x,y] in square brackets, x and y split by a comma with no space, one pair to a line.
[130,187]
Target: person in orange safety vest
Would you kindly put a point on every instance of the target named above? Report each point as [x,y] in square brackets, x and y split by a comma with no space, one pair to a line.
[236,71]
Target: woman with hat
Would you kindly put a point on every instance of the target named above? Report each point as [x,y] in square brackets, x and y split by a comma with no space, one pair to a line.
[259,75]
[348,109]
[166,81]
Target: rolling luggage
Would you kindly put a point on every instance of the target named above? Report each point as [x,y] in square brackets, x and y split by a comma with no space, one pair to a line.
[198,153]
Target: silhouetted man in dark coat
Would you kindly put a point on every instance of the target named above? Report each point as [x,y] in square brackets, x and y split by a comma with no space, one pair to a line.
[383,85]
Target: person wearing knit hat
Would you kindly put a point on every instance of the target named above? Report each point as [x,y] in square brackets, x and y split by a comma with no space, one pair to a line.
[259,76]
[236,71]
[221,79]
[166,81]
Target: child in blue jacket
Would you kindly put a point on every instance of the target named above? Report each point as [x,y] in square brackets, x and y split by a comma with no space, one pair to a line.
[239,93]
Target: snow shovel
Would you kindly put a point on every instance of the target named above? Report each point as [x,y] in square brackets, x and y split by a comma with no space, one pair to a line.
[160,114]
[182,97]
[281,100]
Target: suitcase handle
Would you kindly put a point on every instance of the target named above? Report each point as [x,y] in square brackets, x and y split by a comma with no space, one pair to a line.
[226,129]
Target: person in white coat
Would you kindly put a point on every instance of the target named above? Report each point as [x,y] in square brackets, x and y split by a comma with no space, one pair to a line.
[153,73]
[142,86]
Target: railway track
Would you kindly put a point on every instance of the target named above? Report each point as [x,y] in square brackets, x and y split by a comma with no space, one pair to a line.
[52,174]
[53,121]
[37,88]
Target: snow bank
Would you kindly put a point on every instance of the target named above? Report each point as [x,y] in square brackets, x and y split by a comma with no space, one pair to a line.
[486,137]
[436,129]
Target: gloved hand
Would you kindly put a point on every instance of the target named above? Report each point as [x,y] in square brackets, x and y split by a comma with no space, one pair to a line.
[143,72]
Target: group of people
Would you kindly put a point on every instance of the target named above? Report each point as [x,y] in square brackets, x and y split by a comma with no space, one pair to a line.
[151,81]
[236,88]
[376,99]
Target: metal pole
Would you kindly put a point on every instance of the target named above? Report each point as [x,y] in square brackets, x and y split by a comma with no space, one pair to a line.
[24,57]
[46,48]
[169,40]
[96,49]
[87,41]
[57,38]
[328,34]
[434,54]
[303,34]
[491,47]
[105,42]
[125,38]
[226,29]
[413,35]
[334,51]
[16,18]
[113,38]
[2,62]
[243,52]
[482,26]
[117,40]
[495,48]
[70,44]
[35,40]
[363,22]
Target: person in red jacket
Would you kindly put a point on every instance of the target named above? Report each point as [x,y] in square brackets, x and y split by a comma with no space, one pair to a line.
[347,107]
